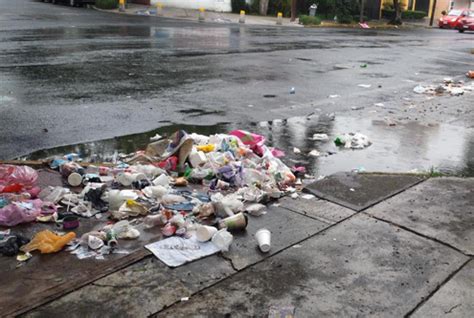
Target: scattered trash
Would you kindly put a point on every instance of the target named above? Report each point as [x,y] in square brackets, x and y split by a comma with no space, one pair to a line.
[379,104]
[365,85]
[307,196]
[321,137]
[292,90]
[314,153]
[363,65]
[48,242]
[352,189]
[192,188]
[470,74]
[357,107]
[449,86]
[256,209]
[353,141]
[23,257]
[156,137]
[176,251]
[296,150]
[334,96]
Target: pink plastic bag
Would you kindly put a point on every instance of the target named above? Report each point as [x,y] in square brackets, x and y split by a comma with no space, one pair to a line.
[20,212]
[23,175]
[254,141]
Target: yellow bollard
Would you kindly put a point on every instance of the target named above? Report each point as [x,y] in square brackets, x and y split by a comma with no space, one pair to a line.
[159,9]
[122,5]
[202,16]
[242,16]
[279,18]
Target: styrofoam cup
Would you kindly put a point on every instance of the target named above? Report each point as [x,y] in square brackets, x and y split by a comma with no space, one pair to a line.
[263,238]
[74,179]
[204,233]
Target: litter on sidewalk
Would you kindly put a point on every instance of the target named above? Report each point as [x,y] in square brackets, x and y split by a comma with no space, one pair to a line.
[185,186]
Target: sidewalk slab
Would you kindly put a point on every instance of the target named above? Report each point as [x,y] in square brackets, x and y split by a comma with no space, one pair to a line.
[441,208]
[148,286]
[287,229]
[360,267]
[320,210]
[137,291]
[358,191]
[455,299]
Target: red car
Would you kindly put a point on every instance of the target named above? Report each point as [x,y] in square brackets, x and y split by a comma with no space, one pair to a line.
[451,20]
[466,23]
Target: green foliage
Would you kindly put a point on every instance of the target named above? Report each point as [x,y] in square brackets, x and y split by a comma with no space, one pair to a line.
[308,20]
[389,14]
[254,7]
[413,15]
[238,5]
[283,6]
[106,4]
[345,10]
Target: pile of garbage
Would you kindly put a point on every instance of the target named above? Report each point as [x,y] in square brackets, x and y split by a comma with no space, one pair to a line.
[191,187]
[449,87]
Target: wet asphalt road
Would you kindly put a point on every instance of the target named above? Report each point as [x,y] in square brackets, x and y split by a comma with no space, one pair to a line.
[69,75]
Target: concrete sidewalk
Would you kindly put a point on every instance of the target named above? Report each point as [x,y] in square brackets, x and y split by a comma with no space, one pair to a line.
[405,250]
[193,15]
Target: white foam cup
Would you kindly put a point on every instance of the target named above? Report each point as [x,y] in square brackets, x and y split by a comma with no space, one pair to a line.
[204,233]
[263,238]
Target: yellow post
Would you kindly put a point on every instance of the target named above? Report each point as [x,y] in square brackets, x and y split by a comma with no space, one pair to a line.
[242,16]
[201,14]
[279,18]
[122,5]
[159,9]
[413,5]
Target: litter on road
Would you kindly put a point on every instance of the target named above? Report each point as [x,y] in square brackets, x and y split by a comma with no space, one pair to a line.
[353,141]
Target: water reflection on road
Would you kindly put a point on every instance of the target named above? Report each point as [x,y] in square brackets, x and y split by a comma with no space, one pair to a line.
[399,148]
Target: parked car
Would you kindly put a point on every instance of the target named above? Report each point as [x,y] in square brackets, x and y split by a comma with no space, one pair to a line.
[451,20]
[467,22]
[72,3]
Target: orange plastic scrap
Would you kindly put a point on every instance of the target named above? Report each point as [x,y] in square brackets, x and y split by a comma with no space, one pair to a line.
[48,242]
[470,74]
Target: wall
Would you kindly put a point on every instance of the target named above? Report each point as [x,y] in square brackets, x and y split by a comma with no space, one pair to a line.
[211,5]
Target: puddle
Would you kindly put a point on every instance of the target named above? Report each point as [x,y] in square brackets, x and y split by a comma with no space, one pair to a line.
[401,148]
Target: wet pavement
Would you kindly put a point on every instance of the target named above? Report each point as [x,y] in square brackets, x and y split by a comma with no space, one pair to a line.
[408,147]
[72,75]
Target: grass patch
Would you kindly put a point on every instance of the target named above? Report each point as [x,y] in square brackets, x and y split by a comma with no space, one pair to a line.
[106,4]
[309,20]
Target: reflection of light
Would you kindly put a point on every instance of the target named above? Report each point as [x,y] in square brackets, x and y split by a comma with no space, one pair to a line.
[201,38]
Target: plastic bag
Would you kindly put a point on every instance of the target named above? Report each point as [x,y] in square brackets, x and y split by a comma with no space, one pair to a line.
[17,174]
[254,141]
[20,212]
[48,242]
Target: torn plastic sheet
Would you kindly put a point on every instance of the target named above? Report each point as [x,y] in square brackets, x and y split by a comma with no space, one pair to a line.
[176,251]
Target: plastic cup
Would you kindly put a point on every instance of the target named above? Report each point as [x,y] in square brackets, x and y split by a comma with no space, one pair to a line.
[204,233]
[74,179]
[125,179]
[222,239]
[162,180]
[263,238]
[234,222]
